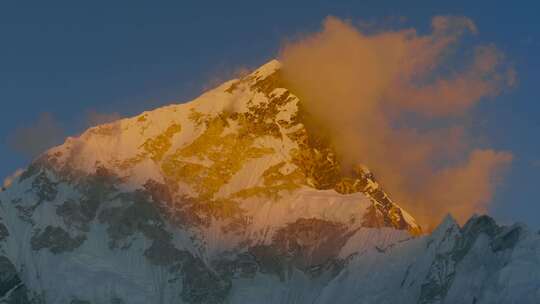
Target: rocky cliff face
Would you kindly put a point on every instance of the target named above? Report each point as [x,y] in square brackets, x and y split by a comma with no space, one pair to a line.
[236,198]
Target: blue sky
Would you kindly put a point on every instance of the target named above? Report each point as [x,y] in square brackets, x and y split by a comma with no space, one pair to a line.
[72,58]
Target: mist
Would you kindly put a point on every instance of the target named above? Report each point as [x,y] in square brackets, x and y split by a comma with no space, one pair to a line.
[396,101]
[37,136]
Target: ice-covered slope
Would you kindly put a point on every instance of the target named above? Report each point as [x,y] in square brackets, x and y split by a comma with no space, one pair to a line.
[235,197]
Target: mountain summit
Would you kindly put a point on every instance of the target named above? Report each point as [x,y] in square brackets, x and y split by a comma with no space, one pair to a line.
[234,149]
[235,197]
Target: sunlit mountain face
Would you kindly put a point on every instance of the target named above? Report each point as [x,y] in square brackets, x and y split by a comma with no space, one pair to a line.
[238,197]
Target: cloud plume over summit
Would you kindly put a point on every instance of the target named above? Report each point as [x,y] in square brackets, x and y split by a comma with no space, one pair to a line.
[396,100]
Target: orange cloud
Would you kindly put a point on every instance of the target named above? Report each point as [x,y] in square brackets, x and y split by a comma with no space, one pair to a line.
[392,102]
[8,181]
[468,186]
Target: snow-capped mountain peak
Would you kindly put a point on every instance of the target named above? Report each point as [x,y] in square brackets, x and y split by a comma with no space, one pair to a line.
[233,198]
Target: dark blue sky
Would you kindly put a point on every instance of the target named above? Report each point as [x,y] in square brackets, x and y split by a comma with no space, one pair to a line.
[70,58]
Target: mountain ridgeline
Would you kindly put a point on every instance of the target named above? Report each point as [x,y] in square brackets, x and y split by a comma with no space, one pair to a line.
[235,197]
